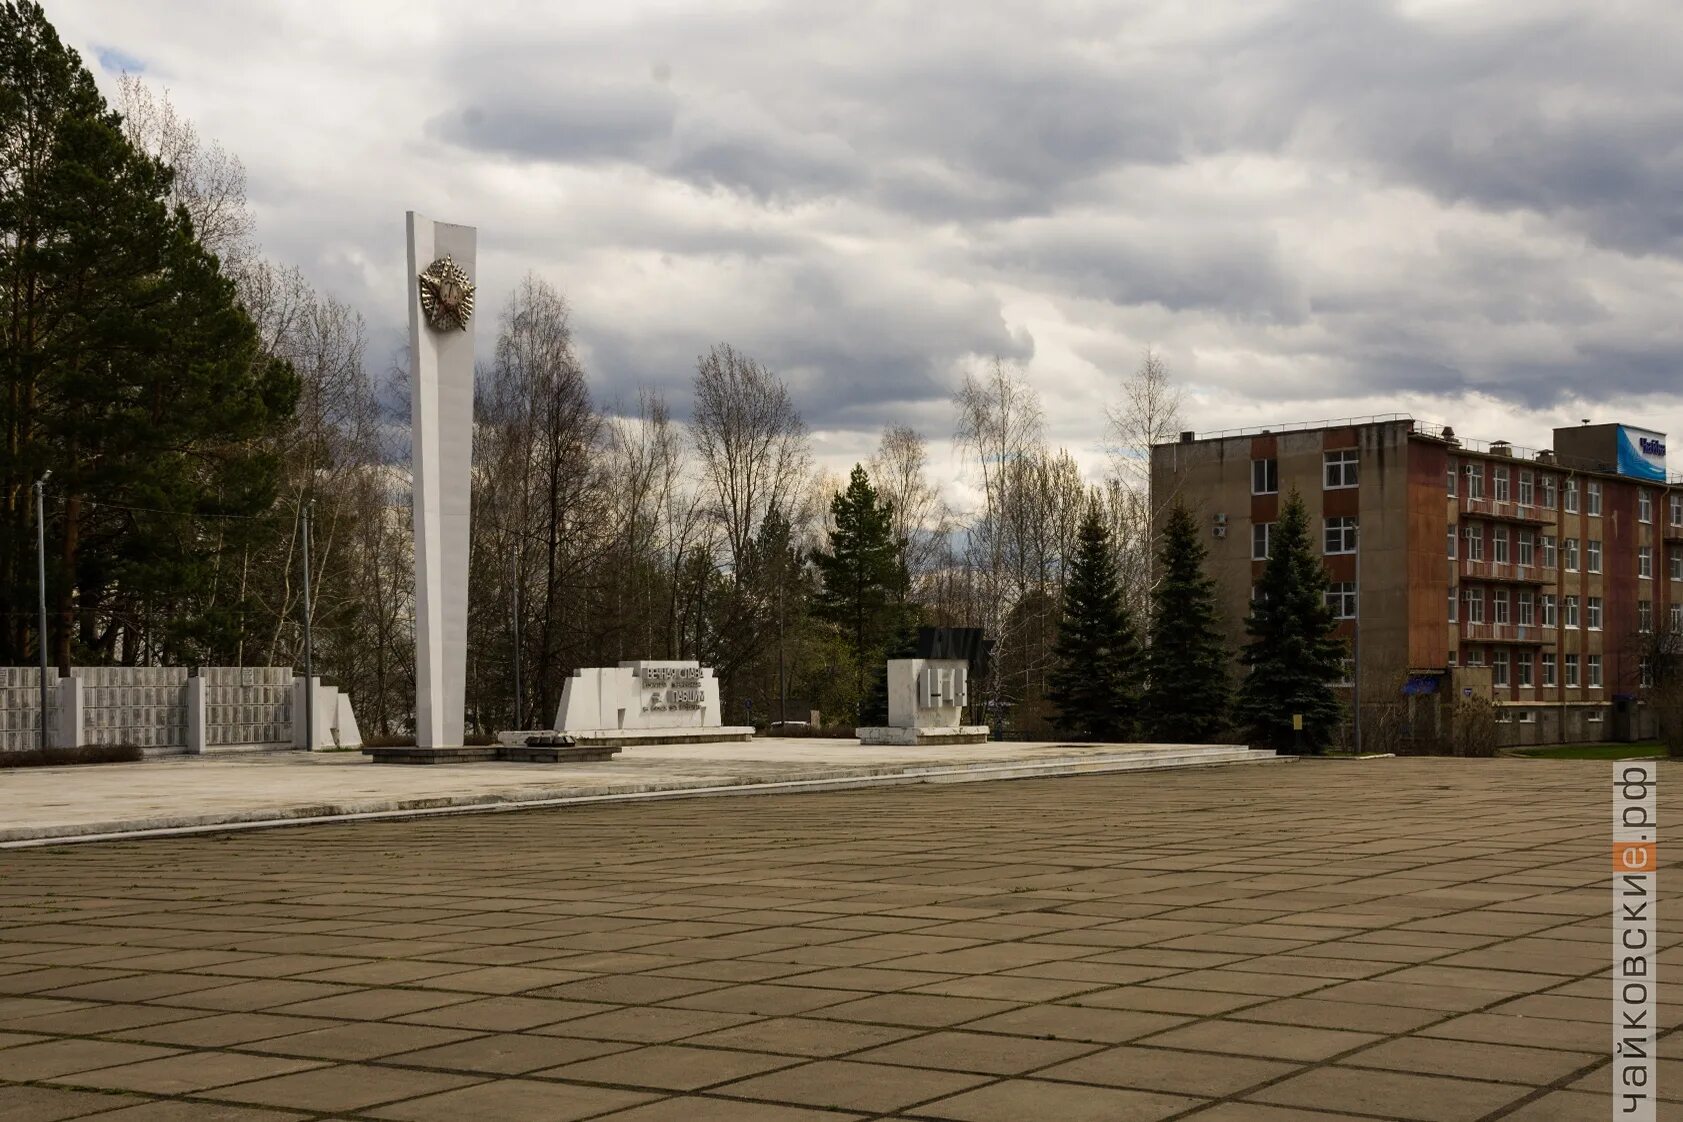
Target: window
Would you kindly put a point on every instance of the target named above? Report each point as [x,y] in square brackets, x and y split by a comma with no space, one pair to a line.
[1527,609]
[1475,605]
[1265,477]
[1644,505]
[1593,669]
[1453,600]
[1592,613]
[1339,468]
[1592,716]
[1346,672]
[1340,535]
[1475,481]
[1452,543]
[1592,555]
[1499,669]
[1571,545]
[1571,496]
[1449,659]
[1676,503]
[1527,548]
[1571,671]
[1551,554]
[1677,617]
[1475,542]
[1341,599]
[1475,657]
[1499,545]
[1257,595]
[1262,534]
[1527,489]
[1548,668]
[1547,484]
[1451,476]
[1523,669]
[1645,616]
[1592,497]
[1499,484]
[1550,618]
[1569,611]
[1526,716]
[1645,673]
[1645,561]
[1499,607]
[1503,715]
[1677,564]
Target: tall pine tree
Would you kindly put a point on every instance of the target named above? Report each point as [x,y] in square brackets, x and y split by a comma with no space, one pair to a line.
[1095,680]
[1293,656]
[1187,690]
[863,574]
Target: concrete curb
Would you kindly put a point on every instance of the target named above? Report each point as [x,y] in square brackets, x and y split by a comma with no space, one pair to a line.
[270,818]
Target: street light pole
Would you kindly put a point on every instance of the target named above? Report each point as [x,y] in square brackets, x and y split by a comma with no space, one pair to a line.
[519,692]
[1356,652]
[41,583]
[309,680]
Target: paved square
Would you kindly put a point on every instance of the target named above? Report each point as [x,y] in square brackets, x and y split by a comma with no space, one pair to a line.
[1400,940]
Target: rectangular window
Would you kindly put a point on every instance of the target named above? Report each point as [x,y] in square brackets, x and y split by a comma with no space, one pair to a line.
[1592,496]
[1645,673]
[1676,503]
[1499,607]
[1527,609]
[1569,611]
[1547,483]
[1592,613]
[1339,469]
[1645,616]
[1452,603]
[1451,475]
[1527,489]
[1475,657]
[1341,599]
[1550,618]
[1644,505]
[1346,672]
[1452,537]
[1592,555]
[1677,564]
[1571,546]
[1475,605]
[1499,545]
[1677,617]
[1523,670]
[1265,477]
[1548,668]
[1499,484]
[1526,716]
[1262,533]
[1571,671]
[1499,669]
[1551,552]
[1527,548]
[1593,668]
[1571,496]
[1475,541]
[1475,481]
[1340,535]
[1592,716]
[1645,561]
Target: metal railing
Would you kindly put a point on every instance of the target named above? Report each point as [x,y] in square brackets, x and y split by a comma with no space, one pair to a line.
[1305,426]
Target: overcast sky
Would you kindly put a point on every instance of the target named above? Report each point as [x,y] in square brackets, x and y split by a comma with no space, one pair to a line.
[1470,211]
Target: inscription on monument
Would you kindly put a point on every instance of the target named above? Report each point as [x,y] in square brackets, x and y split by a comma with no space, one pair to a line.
[671,687]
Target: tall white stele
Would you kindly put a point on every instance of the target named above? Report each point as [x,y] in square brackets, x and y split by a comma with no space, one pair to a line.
[441,454]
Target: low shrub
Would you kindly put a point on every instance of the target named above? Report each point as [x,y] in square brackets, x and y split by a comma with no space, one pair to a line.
[61,757]
[392,740]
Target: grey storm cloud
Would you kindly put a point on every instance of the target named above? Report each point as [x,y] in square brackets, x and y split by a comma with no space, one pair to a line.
[1296,200]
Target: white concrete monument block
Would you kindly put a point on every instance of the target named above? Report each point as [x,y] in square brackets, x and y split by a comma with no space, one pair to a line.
[926,700]
[645,700]
[198,729]
[72,714]
[442,268]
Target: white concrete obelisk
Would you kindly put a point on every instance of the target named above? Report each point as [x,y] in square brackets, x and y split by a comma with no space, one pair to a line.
[441,459]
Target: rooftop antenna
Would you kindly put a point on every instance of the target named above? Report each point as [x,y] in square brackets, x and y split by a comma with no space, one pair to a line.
[1583,420]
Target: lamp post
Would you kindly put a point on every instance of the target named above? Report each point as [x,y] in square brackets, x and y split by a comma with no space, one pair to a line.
[309,681]
[41,587]
[1356,653]
[519,692]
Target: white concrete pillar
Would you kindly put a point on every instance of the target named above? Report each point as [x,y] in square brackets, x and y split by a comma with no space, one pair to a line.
[441,457]
[72,714]
[197,730]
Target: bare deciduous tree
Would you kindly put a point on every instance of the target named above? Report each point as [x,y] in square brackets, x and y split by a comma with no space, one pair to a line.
[900,473]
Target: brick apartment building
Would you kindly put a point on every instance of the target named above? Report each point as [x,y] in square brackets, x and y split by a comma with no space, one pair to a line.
[1531,576]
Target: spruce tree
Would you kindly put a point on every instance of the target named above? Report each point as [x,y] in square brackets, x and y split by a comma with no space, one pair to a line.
[1292,656]
[1187,690]
[1095,680]
[863,573]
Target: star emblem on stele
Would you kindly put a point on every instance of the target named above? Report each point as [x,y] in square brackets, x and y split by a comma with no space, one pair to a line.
[446,296]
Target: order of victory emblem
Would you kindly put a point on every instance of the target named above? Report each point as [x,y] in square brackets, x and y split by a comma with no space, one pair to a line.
[446,296]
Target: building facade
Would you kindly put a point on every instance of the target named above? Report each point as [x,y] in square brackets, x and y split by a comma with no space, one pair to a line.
[1537,577]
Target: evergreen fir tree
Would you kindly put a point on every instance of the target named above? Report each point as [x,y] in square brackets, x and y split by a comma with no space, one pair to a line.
[1187,689]
[863,573]
[1293,657]
[1095,681]
[901,643]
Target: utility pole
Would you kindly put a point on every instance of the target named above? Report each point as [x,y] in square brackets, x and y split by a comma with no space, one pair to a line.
[519,694]
[309,671]
[41,582]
